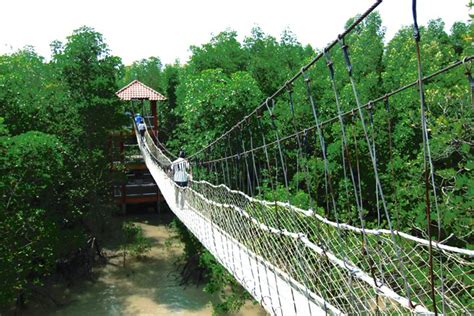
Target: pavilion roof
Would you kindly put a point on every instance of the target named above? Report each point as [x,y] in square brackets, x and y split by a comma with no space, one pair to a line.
[137,90]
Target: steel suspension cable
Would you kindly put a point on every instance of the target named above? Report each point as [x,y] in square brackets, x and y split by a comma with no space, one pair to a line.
[345,52]
[282,88]
[428,163]
[356,109]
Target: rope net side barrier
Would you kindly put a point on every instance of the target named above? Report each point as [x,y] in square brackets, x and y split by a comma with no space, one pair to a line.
[348,274]
[198,214]
[331,209]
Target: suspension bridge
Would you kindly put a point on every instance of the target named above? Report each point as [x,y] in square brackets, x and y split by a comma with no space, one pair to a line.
[311,260]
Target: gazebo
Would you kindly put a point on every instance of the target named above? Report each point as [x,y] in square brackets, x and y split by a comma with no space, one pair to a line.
[136,90]
[139,187]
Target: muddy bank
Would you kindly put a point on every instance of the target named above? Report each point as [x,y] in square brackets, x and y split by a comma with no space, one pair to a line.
[146,286]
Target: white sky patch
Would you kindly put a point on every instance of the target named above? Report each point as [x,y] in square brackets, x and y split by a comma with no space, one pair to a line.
[142,28]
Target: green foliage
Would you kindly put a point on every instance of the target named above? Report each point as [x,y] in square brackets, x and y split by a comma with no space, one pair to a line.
[209,103]
[30,97]
[90,72]
[272,63]
[448,121]
[53,140]
[27,251]
[147,71]
[231,293]
[461,38]
[3,128]
[135,242]
[29,199]
[223,51]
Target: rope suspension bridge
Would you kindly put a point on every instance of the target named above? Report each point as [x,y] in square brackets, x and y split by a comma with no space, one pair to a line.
[312,258]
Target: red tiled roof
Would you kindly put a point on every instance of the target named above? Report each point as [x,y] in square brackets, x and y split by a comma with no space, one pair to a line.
[137,90]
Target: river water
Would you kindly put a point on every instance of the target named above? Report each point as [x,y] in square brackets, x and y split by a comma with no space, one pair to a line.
[147,286]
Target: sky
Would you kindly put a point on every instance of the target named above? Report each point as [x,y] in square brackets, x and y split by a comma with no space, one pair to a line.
[143,28]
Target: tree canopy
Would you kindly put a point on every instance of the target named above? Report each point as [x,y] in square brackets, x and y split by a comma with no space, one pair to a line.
[56,117]
[53,138]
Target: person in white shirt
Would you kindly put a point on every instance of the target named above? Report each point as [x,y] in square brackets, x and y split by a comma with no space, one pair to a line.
[142,128]
[179,169]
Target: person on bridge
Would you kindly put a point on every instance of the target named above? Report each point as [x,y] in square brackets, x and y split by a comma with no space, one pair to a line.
[179,169]
[138,118]
[141,128]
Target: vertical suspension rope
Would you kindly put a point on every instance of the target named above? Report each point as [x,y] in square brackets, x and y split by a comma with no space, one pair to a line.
[330,66]
[254,164]
[283,167]
[345,52]
[428,166]
[391,163]
[247,169]
[327,173]
[227,171]
[357,166]
[306,172]
[356,185]
[327,176]
[223,171]
[469,78]
[252,240]
[340,235]
[233,170]
[377,202]
[300,151]
[264,218]
[345,142]
[280,152]
[272,186]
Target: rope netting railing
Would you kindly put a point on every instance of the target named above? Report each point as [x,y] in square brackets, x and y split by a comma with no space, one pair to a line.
[354,275]
[346,195]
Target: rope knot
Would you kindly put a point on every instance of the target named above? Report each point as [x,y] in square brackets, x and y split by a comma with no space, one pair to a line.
[353,114]
[370,106]
[302,70]
[387,104]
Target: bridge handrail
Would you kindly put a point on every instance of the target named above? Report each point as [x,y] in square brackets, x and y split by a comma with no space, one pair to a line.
[163,162]
[310,213]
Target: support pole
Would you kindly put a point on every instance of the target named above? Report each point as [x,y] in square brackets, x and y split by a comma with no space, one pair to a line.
[155,118]
[123,188]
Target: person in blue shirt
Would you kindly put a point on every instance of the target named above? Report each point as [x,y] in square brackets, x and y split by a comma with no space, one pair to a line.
[138,118]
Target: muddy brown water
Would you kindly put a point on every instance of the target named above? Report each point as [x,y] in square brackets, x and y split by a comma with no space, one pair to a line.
[147,286]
